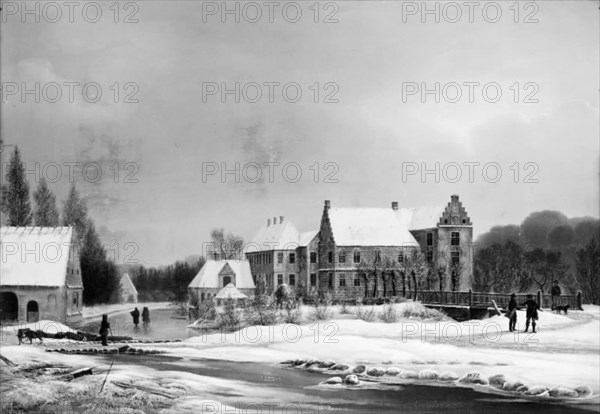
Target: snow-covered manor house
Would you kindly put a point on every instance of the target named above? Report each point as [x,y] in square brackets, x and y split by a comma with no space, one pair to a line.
[329,259]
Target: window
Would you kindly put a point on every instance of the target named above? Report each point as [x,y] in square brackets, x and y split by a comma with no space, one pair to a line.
[429,256]
[455,255]
[330,282]
[52,305]
[292,257]
[75,300]
[280,257]
[313,257]
[429,239]
[330,257]
[226,280]
[279,279]
[342,257]
[342,280]
[378,255]
[292,279]
[202,296]
[357,280]
[400,257]
[455,238]
[313,279]
[356,256]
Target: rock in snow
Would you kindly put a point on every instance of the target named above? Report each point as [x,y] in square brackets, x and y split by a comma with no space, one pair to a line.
[351,380]
[497,381]
[512,385]
[428,374]
[473,378]
[537,390]
[359,369]
[376,372]
[448,376]
[393,371]
[333,381]
[563,392]
[408,374]
[583,391]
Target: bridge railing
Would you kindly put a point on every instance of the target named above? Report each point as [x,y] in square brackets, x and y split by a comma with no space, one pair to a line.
[470,298]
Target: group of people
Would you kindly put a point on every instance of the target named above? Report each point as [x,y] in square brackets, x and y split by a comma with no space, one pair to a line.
[531,306]
[105,326]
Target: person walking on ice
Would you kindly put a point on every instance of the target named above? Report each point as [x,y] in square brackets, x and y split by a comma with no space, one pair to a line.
[532,312]
[511,313]
[136,316]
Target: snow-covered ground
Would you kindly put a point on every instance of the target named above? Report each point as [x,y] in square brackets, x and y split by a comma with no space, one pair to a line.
[564,352]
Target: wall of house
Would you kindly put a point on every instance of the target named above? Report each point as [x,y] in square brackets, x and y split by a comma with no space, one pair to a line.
[54,303]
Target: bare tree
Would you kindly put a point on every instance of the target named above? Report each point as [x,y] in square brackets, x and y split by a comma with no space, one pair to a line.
[228,246]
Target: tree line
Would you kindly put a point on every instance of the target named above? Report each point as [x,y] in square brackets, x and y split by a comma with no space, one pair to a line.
[546,246]
[99,275]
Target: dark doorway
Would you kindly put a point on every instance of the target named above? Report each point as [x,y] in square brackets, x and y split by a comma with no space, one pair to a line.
[226,280]
[9,306]
[33,314]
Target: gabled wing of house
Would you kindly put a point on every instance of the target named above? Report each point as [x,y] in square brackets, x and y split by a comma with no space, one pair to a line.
[37,256]
[368,227]
[208,276]
[127,285]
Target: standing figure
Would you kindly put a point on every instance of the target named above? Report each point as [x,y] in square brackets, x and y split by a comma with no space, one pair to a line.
[555,292]
[104,328]
[145,316]
[532,312]
[511,313]
[136,316]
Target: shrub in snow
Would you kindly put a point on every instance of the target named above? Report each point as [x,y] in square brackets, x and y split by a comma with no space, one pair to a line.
[473,378]
[389,314]
[497,381]
[428,374]
[393,371]
[376,372]
[367,315]
[408,375]
[512,385]
[229,318]
[261,311]
[583,391]
[333,381]
[351,380]
[415,310]
[537,390]
[563,392]
[448,376]
[359,369]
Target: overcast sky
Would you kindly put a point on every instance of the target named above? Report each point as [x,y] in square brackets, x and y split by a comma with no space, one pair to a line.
[364,61]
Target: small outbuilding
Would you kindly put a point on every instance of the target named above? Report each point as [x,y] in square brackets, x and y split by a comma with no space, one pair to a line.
[40,277]
[216,275]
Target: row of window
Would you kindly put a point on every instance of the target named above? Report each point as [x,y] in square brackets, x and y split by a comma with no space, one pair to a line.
[265,258]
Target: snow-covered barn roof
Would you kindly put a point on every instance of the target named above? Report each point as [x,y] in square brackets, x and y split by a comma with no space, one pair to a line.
[360,226]
[127,285]
[36,256]
[208,276]
[420,217]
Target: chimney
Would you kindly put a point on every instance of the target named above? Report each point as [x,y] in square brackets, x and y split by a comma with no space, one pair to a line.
[268,222]
[327,204]
[454,198]
[394,205]
[280,219]
[274,220]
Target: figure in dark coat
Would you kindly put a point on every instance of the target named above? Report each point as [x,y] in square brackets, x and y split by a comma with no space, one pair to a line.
[145,315]
[104,329]
[555,292]
[136,316]
[512,313]
[532,312]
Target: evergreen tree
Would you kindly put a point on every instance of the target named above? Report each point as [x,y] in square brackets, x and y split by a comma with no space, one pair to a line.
[45,213]
[75,213]
[17,195]
[588,271]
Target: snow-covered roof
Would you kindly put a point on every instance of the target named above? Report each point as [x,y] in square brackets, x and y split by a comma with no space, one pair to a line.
[420,217]
[277,236]
[127,285]
[306,237]
[208,276]
[359,226]
[230,292]
[36,256]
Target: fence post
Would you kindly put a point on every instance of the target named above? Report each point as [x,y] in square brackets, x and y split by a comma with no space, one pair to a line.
[579,304]
[539,299]
[470,297]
